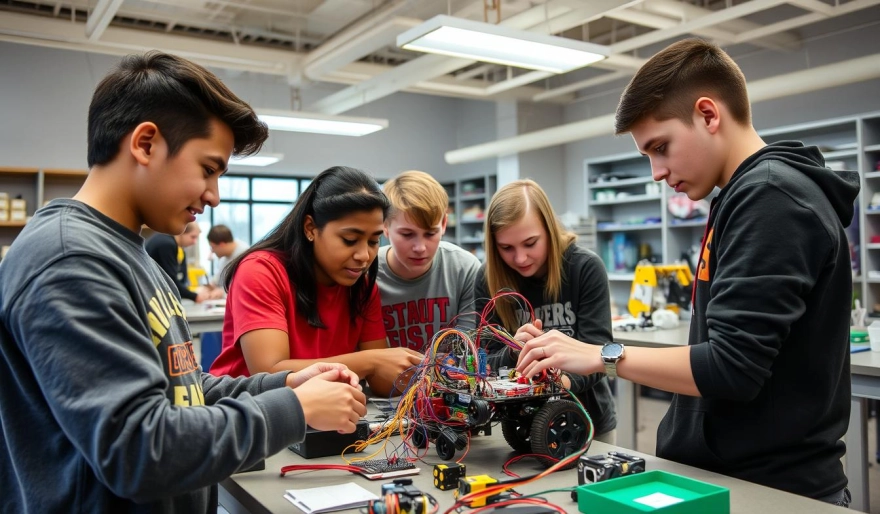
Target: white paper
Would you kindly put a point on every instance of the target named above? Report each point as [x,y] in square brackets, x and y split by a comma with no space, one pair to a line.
[658,500]
[331,498]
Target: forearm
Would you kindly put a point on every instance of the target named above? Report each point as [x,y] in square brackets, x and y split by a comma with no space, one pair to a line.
[360,363]
[668,369]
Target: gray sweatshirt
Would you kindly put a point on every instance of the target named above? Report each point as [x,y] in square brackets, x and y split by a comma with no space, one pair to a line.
[414,310]
[103,406]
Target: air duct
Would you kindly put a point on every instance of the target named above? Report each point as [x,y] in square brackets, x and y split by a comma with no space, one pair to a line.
[804,81]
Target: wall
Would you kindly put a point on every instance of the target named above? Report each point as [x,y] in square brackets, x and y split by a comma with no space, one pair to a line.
[45,93]
[840,39]
[547,165]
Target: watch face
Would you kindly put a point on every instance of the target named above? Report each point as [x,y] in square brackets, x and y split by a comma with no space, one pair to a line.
[612,350]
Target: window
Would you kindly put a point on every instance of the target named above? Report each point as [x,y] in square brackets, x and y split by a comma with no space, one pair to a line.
[275,190]
[251,206]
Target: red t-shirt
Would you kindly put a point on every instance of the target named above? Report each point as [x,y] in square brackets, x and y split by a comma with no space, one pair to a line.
[261,297]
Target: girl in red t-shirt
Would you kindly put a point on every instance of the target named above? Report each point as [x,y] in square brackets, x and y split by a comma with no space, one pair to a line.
[307,291]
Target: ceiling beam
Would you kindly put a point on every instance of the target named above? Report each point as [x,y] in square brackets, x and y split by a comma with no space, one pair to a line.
[100,18]
[778,40]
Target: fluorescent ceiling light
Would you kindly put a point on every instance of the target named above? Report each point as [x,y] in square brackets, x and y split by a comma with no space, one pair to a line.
[485,42]
[296,121]
[263,159]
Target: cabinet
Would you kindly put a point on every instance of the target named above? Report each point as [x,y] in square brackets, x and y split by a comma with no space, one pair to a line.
[468,202]
[633,219]
[35,186]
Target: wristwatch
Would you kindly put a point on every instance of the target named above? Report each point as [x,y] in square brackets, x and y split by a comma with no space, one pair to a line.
[611,353]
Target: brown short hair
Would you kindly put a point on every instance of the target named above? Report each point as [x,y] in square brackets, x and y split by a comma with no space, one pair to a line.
[509,205]
[178,95]
[419,196]
[220,234]
[667,86]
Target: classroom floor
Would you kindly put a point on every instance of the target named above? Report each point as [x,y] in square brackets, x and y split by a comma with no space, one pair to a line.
[651,411]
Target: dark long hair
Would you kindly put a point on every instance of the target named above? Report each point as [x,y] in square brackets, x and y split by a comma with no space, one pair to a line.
[334,194]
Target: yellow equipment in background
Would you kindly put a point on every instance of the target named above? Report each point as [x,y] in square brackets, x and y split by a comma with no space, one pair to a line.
[659,286]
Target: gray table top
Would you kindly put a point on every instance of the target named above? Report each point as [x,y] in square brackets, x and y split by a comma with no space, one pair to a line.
[262,491]
[861,363]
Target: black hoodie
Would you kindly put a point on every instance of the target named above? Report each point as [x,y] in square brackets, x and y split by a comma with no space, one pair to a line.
[770,330]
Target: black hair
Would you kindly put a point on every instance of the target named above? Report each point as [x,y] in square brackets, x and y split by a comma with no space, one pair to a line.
[179,96]
[335,193]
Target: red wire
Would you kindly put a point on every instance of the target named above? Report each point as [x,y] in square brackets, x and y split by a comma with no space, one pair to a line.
[315,467]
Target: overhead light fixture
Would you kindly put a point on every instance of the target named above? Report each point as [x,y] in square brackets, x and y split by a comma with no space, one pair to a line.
[297,121]
[262,159]
[498,44]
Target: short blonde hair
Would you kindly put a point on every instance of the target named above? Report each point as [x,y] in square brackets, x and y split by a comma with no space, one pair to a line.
[509,205]
[419,196]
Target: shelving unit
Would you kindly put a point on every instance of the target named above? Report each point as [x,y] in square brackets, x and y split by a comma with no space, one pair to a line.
[468,200]
[36,186]
[869,167]
[621,204]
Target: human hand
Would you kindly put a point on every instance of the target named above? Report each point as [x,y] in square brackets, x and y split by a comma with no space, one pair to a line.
[394,367]
[216,293]
[329,404]
[557,350]
[201,296]
[529,331]
[321,369]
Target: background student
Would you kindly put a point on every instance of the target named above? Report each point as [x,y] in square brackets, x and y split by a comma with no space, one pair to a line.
[226,248]
[529,251]
[763,388]
[425,283]
[307,291]
[167,251]
[98,381]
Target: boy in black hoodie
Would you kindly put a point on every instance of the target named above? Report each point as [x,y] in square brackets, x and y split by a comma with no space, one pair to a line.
[763,388]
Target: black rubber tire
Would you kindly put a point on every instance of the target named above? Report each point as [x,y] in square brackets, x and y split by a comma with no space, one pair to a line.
[559,429]
[517,433]
[445,443]
[419,437]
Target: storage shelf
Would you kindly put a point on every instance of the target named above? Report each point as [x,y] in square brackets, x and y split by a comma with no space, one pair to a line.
[65,173]
[841,154]
[697,222]
[627,227]
[620,183]
[872,174]
[12,224]
[626,199]
[463,208]
[873,246]
[872,148]
[22,171]
[621,277]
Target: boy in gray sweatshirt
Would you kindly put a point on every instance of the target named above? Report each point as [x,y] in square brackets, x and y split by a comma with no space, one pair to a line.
[424,282]
[103,407]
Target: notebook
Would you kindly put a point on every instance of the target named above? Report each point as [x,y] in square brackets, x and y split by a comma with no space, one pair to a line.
[330,498]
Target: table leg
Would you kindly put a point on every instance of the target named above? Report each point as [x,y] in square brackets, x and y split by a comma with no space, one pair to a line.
[627,413]
[857,454]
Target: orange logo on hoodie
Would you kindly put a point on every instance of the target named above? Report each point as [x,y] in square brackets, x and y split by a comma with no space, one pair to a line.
[703,266]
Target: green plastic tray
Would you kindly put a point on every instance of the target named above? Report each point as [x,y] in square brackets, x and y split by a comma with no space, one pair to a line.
[653,491]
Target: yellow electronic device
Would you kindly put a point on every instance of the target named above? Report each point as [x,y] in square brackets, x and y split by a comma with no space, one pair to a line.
[473,484]
[659,286]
